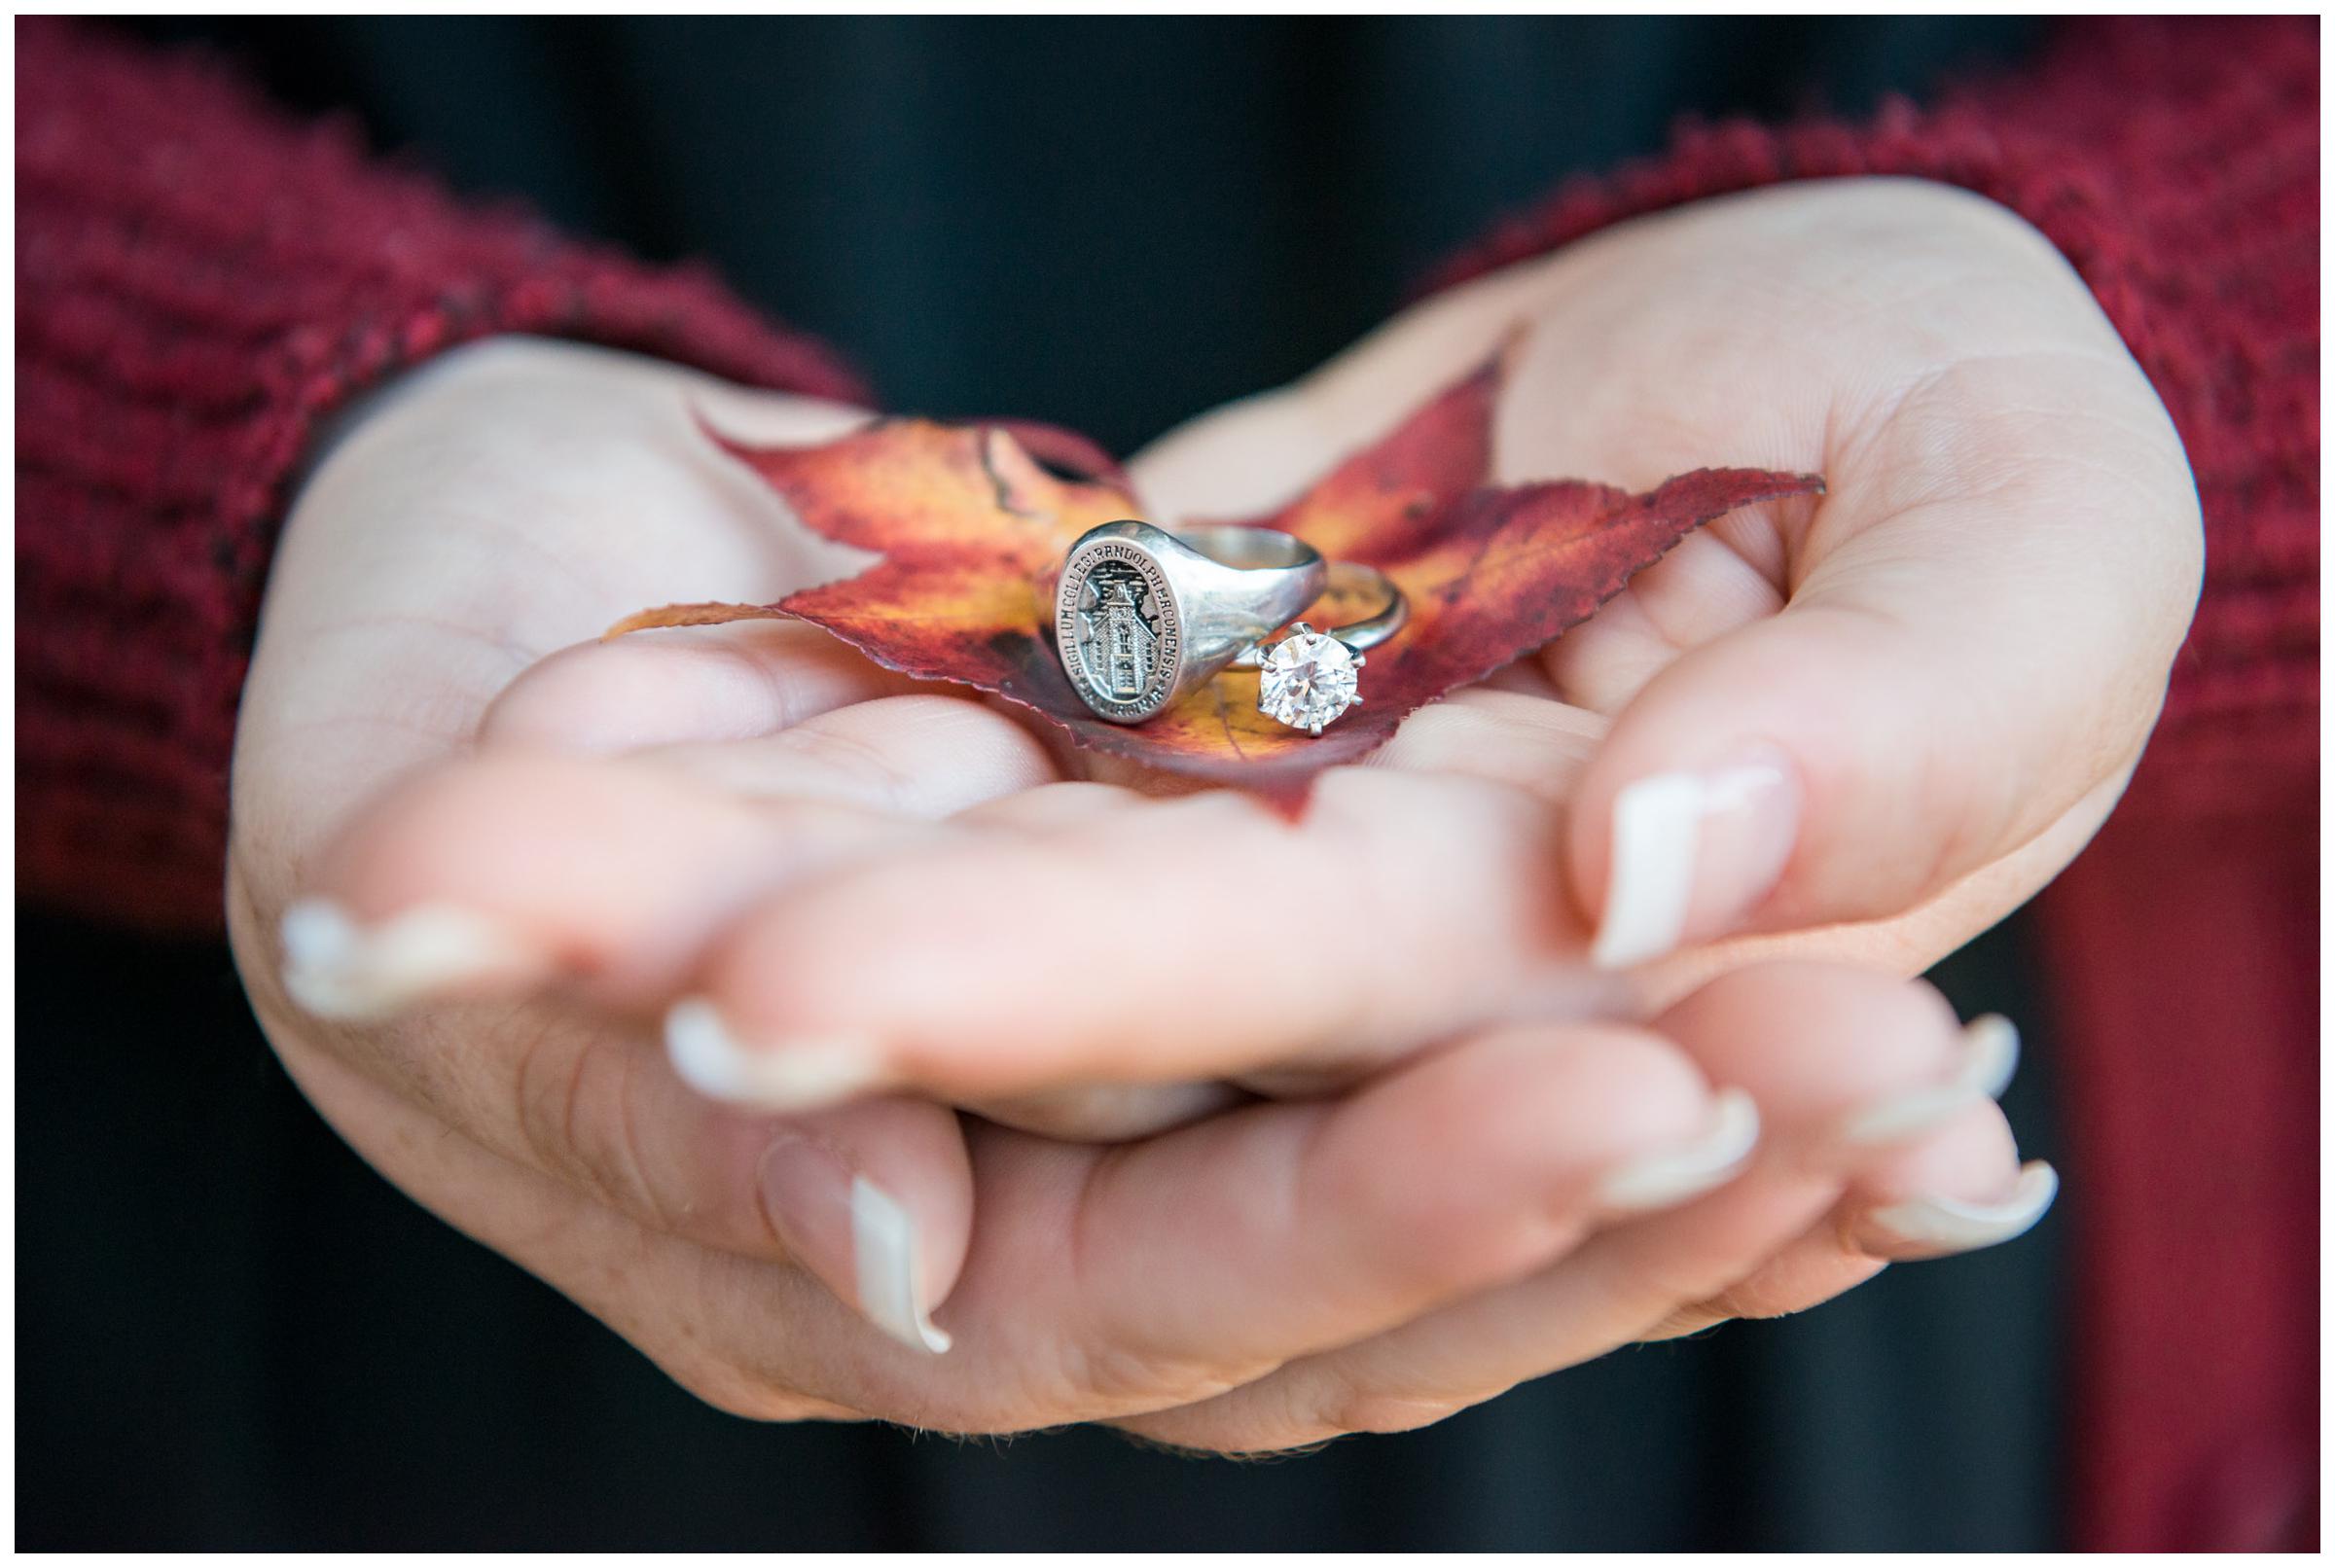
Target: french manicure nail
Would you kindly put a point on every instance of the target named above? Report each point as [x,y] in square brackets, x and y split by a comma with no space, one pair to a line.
[1658,1181]
[1691,853]
[340,968]
[883,1241]
[1934,1227]
[1981,1070]
[855,1237]
[796,1077]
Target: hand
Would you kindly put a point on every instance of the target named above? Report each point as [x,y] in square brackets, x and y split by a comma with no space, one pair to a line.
[374,638]
[1271,1275]
[1864,728]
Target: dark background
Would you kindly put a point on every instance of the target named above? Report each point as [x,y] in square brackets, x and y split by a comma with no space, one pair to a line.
[231,1333]
[1110,225]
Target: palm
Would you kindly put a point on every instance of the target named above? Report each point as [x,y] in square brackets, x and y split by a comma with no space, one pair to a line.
[757,817]
[1983,435]
[2003,495]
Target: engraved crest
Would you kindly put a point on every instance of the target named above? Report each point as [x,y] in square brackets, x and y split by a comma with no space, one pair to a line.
[1122,643]
[1115,625]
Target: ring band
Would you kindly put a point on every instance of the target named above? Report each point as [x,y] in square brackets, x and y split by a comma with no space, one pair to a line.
[1142,615]
[1364,582]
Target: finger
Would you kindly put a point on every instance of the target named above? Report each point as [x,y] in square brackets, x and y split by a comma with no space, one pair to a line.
[1964,1190]
[1980,641]
[1526,741]
[873,1200]
[1188,939]
[504,873]
[1124,1279]
[1110,1113]
[1957,1189]
[491,875]
[1098,1113]
[675,1299]
[1936,1142]
[877,1200]
[1091,1113]
[493,879]
[1050,806]
[1103,1281]
[916,755]
[1832,1055]
[691,684]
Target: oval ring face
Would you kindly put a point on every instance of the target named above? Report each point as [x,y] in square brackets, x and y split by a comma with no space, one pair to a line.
[1119,629]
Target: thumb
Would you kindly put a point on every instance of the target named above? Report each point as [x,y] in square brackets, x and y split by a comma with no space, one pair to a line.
[1943,688]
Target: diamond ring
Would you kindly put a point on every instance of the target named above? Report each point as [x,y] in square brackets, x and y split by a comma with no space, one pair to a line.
[1142,615]
[1307,678]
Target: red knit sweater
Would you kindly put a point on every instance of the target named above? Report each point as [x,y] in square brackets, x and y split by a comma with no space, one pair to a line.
[200,281]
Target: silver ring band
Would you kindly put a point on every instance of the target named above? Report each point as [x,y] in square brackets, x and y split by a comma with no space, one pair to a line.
[1367,583]
[1142,615]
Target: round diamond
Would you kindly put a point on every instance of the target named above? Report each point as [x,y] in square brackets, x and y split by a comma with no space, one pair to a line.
[1307,680]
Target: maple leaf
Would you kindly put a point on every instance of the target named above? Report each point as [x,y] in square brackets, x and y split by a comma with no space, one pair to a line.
[970,530]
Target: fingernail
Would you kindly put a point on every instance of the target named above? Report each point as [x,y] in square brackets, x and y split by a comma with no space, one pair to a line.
[1935,1226]
[855,1237]
[337,967]
[1981,1070]
[794,1077]
[1692,853]
[1658,1180]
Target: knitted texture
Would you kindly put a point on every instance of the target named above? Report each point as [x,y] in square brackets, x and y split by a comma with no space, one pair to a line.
[2176,164]
[199,282]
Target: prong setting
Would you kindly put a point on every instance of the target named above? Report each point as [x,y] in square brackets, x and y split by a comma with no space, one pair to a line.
[1306,679]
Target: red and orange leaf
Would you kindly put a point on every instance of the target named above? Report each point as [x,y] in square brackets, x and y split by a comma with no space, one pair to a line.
[971,531]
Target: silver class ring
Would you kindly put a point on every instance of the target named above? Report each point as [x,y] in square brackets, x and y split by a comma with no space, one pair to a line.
[1142,615]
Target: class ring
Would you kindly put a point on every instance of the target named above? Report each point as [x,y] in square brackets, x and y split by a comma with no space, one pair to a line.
[1142,615]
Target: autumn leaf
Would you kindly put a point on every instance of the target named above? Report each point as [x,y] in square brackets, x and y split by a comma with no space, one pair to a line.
[970,528]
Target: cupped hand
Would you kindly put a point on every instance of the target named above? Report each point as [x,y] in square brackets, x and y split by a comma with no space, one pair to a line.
[1863,728]
[1271,1274]
[845,882]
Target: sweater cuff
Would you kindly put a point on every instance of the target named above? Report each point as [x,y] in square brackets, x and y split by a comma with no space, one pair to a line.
[202,282]
[2176,164]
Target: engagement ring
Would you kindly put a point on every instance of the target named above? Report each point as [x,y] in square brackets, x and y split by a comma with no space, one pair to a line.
[1308,678]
